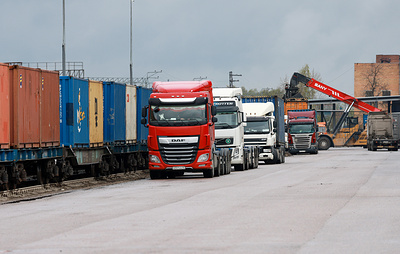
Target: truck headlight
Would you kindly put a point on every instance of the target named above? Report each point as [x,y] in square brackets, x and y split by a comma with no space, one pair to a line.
[203,157]
[235,153]
[266,150]
[154,159]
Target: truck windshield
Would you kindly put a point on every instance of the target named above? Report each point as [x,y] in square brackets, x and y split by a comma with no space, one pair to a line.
[227,120]
[301,128]
[185,115]
[261,127]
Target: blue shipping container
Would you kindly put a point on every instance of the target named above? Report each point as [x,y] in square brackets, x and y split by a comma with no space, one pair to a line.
[142,99]
[114,112]
[257,99]
[74,112]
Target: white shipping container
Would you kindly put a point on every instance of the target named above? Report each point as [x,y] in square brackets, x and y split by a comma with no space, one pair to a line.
[131,130]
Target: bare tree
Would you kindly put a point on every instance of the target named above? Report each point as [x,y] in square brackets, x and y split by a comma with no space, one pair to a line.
[307,92]
[374,81]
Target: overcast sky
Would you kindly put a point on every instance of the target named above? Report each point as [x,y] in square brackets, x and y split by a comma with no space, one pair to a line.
[265,41]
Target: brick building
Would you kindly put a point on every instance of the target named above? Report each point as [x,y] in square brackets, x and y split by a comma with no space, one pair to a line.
[377,79]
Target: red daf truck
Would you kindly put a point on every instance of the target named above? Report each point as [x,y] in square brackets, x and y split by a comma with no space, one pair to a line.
[180,118]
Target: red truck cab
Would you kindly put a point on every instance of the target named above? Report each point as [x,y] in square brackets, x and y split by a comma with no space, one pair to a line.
[181,128]
[302,131]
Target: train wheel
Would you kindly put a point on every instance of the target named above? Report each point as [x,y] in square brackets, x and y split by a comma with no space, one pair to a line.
[93,170]
[39,175]
[3,178]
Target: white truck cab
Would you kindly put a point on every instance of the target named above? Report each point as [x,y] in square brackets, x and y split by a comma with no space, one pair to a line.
[229,129]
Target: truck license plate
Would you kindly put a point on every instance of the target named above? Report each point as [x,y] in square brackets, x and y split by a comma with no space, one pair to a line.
[178,168]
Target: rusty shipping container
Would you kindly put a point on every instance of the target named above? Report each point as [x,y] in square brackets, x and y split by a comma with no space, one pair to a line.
[4,106]
[49,109]
[95,113]
[25,107]
[296,104]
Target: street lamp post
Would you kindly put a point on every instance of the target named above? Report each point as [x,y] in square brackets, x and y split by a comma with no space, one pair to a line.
[63,44]
[131,40]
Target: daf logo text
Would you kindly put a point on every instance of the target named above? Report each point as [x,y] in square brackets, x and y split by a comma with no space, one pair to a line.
[177,140]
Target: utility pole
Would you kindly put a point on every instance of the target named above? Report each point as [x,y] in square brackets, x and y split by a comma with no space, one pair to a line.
[63,43]
[131,51]
[231,80]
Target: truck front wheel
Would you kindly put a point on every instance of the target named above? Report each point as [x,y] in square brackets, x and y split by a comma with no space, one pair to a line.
[155,174]
[324,143]
[209,173]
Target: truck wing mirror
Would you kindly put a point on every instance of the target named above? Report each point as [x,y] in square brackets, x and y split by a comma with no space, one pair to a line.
[213,110]
[143,121]
[275,124]
[144,111]
[214,119]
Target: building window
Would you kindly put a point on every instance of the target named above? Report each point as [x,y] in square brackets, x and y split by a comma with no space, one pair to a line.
[385,93]
[368,93]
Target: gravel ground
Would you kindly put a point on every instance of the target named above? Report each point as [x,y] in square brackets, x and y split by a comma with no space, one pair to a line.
[38,192]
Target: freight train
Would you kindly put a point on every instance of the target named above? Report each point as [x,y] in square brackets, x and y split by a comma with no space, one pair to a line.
[54,127]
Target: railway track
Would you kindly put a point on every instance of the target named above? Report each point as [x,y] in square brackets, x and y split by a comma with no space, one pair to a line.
[51,189]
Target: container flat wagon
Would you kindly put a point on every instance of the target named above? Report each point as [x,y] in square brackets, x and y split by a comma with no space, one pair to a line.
[54,127]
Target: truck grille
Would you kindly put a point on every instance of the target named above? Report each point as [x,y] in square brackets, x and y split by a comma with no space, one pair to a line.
[255,141]
[178,151]
[302,142]
[223,142]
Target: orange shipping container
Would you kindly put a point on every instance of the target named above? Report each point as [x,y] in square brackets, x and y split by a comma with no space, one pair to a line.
[4,106]
[25,107]
[50,109]
[95,113]
[296,104]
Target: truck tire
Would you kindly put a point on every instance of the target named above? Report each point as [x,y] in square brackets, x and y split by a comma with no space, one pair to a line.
[155,174]
[282,155]
[277,156]
[225,162]
[217,171]
[251,163]
[324,143]
[247,161]
[228,163]
[256,155]
[251,155]
[208,173]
